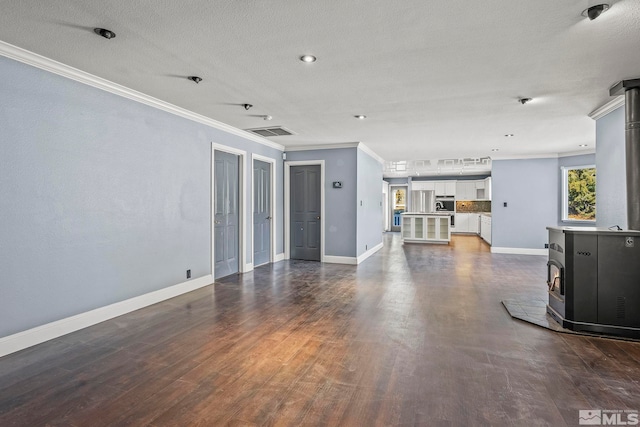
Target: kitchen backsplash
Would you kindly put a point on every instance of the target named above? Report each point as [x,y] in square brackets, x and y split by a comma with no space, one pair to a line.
[468,206]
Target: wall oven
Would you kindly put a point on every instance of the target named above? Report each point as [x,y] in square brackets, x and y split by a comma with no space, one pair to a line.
[447,204]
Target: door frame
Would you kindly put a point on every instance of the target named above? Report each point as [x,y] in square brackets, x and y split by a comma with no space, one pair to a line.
[386,226]
[287,204]
[393,187]
[272,207]
[242,198]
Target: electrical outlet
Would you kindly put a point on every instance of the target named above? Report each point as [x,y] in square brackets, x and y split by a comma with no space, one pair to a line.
[546,246]
[188,274]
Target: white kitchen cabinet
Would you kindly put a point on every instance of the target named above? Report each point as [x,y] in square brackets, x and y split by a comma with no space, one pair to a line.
[465,190]
[474,224]
[467,223]
[487,188]
[462,223]
[485,228]
[450,188]
[425,228]
[423,185]
[445,188]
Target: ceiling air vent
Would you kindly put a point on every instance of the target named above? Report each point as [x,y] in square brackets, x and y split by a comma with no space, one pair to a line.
[271,131]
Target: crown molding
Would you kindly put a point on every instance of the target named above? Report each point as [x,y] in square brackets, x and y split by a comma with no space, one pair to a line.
[610,106]
[322,146]
[30,58]
[359,145]
[370,152]
[576,153]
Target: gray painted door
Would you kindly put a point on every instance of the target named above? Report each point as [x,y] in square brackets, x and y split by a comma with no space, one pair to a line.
[261,212]
[305,213]
[226,214]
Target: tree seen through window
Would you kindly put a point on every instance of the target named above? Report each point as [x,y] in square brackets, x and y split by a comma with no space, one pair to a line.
[581,192]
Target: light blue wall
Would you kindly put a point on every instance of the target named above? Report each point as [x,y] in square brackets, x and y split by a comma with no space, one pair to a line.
[101,198]
[369,202]
[611,184]
[340,207]
[530,188]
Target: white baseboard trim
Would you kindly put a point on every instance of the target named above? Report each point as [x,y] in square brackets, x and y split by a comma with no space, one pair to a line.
[370,252]
[279,257]
[49,331]
[331,259]
[248,267]
[519,251]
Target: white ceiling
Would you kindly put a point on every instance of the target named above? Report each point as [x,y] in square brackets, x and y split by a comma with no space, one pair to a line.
[437,79]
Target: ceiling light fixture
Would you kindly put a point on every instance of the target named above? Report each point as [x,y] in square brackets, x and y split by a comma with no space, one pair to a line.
[594,11]
[267,117]
[582,145]
[495,149]
[308,58]
[509,135]
[195,79]
[360,117]
[107,34]
[247,106]
[524,100]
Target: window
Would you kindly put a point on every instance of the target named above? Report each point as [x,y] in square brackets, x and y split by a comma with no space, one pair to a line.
[579,193]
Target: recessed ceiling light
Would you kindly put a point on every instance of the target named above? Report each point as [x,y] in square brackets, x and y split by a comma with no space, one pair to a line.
[195,79]
[524,100]
[509,135]
[308,58]
[495,149]
[107,34]
[582,145]
[360,117]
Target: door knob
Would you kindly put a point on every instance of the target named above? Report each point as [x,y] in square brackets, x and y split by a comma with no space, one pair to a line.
[216,222]
[318,217]
[268,217]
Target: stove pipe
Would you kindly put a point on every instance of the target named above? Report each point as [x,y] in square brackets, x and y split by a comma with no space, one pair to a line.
[631,90]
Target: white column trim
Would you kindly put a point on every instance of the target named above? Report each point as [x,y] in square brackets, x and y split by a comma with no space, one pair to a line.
[610,106]
[243,266]
[272,213]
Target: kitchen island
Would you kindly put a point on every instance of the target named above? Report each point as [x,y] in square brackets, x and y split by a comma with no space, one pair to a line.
[421,227]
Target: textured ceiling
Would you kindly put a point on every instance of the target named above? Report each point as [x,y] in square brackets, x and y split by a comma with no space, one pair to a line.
[436,79]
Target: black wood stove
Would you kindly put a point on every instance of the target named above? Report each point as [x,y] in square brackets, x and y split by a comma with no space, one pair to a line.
[593,276]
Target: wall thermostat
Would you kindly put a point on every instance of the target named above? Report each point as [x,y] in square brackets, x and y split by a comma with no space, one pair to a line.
[337,184]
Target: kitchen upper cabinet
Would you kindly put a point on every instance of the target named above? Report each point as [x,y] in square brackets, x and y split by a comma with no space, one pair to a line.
[487,188]
[462,190]
[445,188]
[423,185]
[466,190]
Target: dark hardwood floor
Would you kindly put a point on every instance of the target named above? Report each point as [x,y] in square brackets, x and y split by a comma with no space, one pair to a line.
[416,335]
